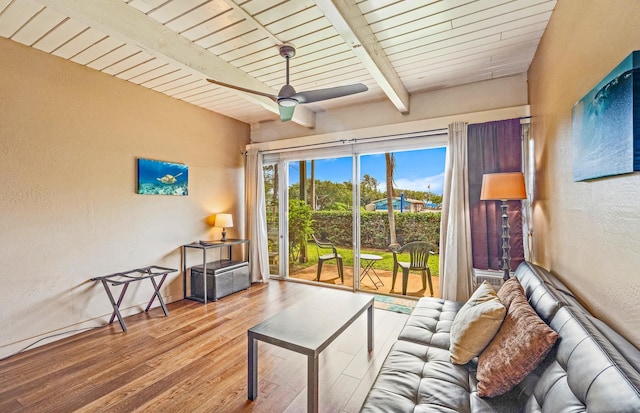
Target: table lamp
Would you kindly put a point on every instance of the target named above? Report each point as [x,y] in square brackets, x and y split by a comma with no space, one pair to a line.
[224,221]
[504,187]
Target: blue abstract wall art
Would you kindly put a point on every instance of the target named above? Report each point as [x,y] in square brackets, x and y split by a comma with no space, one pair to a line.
[606,124]
[162,178]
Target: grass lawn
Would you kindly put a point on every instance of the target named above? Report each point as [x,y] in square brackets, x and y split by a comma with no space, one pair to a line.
[385,264]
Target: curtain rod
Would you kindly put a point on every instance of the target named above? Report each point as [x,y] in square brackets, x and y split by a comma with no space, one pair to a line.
[352,141]
[429,132]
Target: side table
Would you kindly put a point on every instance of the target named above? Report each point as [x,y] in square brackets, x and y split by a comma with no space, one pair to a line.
[204,246]
[367,262]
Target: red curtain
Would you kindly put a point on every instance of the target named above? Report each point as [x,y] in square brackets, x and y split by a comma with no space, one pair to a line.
[494,147]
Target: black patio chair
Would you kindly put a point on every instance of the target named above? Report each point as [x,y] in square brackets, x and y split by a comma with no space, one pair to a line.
[323,249]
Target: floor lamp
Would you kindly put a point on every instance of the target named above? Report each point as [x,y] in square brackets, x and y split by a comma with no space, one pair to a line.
[504,187]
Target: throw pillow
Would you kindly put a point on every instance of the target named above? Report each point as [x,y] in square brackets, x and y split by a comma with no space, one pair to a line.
[475,324]
[522,342]
[510,289]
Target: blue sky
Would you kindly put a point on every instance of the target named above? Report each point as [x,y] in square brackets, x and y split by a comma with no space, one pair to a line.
[415,170]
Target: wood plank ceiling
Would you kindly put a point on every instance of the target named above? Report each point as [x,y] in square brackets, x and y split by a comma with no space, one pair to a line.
[395,47]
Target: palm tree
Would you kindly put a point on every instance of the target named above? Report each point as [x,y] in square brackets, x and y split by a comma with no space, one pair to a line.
[390,164]
[303,198]
[312,190]
[370,182]
[369,189]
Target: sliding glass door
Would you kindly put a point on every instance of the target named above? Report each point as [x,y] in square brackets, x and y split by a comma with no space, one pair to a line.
[328,217]
[272,202]
[320,217]
[400,198]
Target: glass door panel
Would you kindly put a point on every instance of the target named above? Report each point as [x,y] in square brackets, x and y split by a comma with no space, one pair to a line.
[415,179]
[273,216]
[320,220]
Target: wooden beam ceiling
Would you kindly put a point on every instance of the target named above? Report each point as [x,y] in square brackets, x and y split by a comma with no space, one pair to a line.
[348,20]
[123,22]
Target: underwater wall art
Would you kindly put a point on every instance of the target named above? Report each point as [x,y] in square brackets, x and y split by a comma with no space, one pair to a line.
[606,124]
[162,178]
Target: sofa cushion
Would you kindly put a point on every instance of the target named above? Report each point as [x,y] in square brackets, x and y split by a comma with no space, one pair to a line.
[430,322]
[417,375]
[476,324]
[509,289]
[520,345]
[538,292]
[587,374]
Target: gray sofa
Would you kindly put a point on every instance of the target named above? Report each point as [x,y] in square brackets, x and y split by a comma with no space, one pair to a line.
[590,368]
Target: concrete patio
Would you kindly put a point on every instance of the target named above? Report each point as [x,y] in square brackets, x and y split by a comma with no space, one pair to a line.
[330,276]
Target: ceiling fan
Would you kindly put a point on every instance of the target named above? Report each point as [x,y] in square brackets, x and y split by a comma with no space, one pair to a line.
[287,98]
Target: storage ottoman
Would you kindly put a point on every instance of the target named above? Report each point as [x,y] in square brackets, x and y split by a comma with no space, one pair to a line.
[223,278]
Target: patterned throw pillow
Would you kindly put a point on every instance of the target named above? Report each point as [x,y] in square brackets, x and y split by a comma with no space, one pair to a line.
[475,324]
[510,289]
[522,342]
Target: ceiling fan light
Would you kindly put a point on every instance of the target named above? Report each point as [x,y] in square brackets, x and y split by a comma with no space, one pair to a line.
[287,102]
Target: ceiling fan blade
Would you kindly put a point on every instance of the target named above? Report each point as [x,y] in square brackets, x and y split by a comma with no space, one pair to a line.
[286,112]
[255,92]
[330,93]
[287,98]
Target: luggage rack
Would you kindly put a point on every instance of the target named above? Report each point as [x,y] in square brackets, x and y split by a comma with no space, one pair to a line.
[127,277]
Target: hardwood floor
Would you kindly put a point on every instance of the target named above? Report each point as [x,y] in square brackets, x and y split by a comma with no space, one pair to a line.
[195,360]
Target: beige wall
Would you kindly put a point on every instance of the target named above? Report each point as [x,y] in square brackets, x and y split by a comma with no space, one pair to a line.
[69,139]
[586,232]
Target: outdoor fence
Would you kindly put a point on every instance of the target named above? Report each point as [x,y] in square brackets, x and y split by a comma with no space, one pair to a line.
[336,227]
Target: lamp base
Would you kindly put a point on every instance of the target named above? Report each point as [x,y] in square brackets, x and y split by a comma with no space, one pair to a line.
[506,248]
[224,235]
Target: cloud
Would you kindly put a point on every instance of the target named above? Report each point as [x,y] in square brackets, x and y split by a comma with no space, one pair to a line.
[420,184]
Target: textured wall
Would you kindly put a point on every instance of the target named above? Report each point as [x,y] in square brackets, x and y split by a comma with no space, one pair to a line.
[587,232]
[69,139]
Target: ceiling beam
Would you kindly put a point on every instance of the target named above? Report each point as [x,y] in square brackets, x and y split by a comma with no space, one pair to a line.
[126,23]
[348,20]
[253,21]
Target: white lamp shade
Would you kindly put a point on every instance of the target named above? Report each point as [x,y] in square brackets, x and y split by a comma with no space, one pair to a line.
[503,186]
[224,221]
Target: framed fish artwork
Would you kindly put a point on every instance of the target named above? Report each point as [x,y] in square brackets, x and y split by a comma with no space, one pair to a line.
[162,178]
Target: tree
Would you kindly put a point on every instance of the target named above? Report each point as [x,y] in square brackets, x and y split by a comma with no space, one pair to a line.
[302,250]
[369,182]
[369,190]
[390,165]
[271,194]
[300,222]
[328,194]
[312,191]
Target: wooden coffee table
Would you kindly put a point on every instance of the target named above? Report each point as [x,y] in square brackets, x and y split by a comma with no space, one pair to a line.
[308,328]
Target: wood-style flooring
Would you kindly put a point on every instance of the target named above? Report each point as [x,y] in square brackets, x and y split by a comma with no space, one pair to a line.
[195,360]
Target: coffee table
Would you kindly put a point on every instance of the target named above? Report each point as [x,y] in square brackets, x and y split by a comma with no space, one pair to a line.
[308,328]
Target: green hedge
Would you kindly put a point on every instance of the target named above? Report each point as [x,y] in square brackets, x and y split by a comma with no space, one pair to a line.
[335,227]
